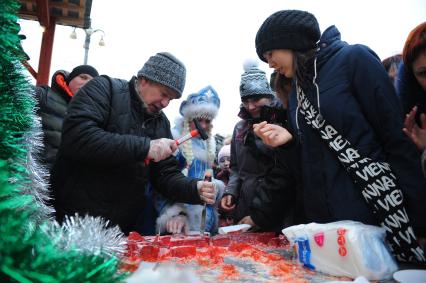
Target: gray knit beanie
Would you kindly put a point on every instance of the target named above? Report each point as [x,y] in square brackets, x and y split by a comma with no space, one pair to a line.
[254,82]
[166,69]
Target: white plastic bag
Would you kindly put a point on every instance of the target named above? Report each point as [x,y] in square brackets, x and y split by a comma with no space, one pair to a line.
[344,248]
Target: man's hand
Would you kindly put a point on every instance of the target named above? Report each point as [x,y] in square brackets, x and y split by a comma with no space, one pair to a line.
[247,220]
[207,192]
[177,224]
[272,135]
[415,132]
[160,149]
[227,203]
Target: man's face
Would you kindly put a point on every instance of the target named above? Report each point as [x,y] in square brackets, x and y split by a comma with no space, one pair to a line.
[155,96]
[78,82]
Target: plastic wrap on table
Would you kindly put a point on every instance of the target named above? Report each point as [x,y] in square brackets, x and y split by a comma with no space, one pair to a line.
[246,257]
[343,248]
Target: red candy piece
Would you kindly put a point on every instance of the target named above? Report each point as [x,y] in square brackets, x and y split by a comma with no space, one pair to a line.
[197,241]
[238,247]
[221,241]
[135,236]
[132,249]
[183,251]
[165,241]
[149,253]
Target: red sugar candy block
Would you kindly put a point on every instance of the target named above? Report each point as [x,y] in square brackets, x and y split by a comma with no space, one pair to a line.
[238,247]
[150,239]
[221,241]
[183,251]
[149,253]
[197,241]
[165,241]
[241,237]
[263,238]
[164,253]
[135,236]
[132,249]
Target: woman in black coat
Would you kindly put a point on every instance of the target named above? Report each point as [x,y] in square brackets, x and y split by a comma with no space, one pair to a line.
[348,87]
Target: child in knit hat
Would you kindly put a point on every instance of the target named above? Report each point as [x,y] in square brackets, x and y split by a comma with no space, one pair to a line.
[224,160]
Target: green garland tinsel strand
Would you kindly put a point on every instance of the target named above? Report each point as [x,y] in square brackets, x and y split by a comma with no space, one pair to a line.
[28,254]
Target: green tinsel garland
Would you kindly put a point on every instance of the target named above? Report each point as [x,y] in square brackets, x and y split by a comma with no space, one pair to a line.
[27,254]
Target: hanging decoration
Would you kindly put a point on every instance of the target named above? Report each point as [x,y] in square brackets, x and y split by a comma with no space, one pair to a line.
[33,247]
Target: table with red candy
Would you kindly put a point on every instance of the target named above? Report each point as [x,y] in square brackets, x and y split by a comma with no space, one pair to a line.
[251,257]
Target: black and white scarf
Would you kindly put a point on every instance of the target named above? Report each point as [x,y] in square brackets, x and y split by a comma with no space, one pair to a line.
[377,182]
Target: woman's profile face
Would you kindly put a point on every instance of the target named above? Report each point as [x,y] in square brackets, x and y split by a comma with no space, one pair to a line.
[419,69]
[281,60]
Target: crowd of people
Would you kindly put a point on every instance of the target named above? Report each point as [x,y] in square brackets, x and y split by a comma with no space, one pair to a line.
[294,157]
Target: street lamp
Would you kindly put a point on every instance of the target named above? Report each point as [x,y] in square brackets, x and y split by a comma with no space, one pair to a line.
[89,32]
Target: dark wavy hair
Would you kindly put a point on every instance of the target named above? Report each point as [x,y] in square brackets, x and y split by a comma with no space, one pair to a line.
[414,45]
[303,64]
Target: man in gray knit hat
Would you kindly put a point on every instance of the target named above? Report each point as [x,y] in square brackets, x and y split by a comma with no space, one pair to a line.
[116,139]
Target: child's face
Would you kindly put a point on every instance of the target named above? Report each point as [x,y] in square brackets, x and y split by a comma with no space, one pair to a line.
[224,162]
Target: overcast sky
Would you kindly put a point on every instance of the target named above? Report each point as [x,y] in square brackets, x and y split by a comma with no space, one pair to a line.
[214,38]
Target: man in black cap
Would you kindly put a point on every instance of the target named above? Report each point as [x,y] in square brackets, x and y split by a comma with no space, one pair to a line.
[52,106]
[116,139]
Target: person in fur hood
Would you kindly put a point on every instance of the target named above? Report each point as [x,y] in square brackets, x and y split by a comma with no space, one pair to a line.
[195,157]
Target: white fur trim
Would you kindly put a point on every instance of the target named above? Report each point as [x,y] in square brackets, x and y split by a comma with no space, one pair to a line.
[167,214]
[199,153]
[200,111]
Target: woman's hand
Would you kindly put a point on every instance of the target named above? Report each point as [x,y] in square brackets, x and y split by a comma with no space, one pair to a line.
[415,132]
[272,135]
[227,203]
[247,220]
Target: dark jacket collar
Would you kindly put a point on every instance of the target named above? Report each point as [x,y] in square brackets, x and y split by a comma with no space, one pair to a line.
[330,43]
